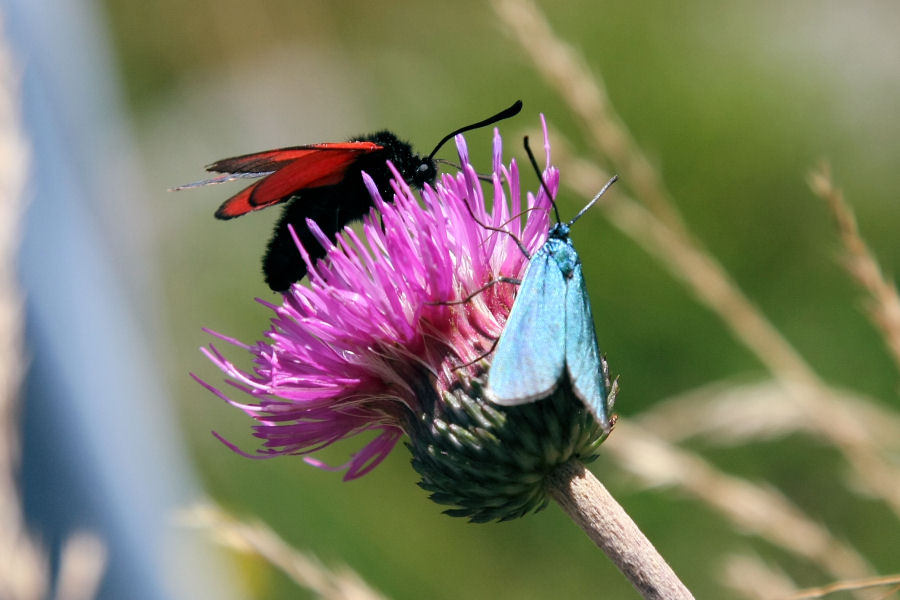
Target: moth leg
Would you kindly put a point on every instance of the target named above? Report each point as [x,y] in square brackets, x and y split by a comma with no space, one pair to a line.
[469,298]
[476,292]
[479,357]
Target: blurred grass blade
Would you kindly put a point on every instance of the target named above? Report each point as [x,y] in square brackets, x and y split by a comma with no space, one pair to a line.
[257,538]
[883,302]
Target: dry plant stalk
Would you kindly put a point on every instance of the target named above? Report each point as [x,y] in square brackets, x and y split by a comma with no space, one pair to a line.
[257,538]
[849,586]
[726,413]
[884,302]
[752,578]
[588,503]
[661,233]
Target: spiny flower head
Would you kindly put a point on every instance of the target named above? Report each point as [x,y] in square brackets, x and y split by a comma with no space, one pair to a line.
[393,334]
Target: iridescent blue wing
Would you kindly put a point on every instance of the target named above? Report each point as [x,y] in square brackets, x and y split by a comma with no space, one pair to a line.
[530,355]
[582,352]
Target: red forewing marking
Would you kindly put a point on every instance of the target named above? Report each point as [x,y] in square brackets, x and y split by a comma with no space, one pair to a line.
[237,205]
[272,160]
[296,169]
[314,170]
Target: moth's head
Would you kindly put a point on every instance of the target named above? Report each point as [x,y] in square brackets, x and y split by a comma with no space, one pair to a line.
[559,231]
[416,170]
[425,172]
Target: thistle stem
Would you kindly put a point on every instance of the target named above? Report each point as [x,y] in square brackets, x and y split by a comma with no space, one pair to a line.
[592,507]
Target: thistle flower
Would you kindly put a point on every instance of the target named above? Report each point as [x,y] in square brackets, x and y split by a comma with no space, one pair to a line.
[382,341]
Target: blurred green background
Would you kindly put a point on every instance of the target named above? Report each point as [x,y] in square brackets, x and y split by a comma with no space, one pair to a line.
[734,103]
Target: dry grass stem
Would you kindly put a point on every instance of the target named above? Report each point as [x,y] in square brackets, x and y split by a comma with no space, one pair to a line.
[750,577]
[884,302]
[726,413]
[755,509]
[257,538]
[854,585]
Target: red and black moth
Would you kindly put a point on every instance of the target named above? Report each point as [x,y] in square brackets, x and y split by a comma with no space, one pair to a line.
[322,182]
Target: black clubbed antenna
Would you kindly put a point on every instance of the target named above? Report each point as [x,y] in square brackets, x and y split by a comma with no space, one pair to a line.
[537,170]
[503,114]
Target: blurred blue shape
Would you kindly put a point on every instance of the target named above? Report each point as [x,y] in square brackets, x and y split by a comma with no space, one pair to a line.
[102,449]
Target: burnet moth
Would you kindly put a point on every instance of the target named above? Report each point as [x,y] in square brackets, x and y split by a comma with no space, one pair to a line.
[550,332]
[322,182]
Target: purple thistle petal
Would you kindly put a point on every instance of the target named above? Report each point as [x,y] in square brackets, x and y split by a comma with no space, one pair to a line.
[497,151]
[546,142]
